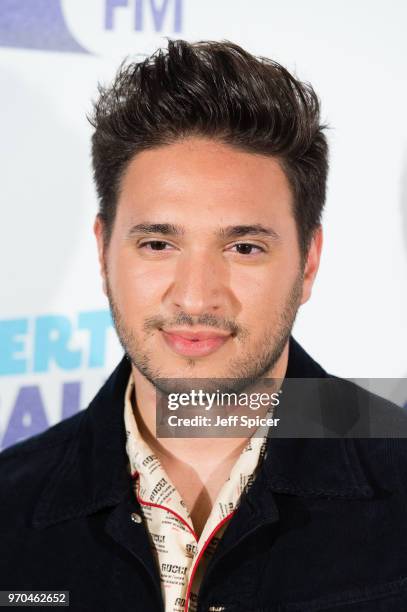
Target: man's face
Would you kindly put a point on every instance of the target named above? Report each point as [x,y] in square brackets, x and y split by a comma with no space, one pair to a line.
[204,240]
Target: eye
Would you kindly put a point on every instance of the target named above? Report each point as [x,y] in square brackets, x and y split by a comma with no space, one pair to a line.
[245,248]
[155,245]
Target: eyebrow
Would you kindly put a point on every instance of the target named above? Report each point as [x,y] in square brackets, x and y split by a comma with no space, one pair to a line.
[230,231]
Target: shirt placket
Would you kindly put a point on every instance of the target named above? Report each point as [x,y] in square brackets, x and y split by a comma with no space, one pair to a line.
[182,558]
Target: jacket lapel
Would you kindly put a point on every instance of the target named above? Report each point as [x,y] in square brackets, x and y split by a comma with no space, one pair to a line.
[93,474]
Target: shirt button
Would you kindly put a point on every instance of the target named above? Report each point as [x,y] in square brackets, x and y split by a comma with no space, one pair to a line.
[136,517]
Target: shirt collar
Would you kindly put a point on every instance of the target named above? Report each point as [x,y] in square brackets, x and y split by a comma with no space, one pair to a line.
[93,471]
[149,469]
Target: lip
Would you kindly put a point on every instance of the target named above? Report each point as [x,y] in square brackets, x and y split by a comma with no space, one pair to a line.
[194,344]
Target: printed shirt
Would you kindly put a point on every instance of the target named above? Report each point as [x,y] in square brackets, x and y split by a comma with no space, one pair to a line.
[182,557]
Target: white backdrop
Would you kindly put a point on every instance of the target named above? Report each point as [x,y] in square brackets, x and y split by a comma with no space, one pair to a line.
[56,341]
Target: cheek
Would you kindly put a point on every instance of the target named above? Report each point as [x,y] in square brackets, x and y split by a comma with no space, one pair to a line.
[262,293]
[135,284]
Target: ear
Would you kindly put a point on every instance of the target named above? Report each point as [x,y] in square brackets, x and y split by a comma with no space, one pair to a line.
[98,230]
[312,264]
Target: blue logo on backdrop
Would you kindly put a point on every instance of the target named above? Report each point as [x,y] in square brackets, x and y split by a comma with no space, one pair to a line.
[35,24]
[44,24]
[158,11]
[48,348]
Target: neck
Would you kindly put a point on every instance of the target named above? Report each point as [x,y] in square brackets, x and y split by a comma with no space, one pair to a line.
[196,452]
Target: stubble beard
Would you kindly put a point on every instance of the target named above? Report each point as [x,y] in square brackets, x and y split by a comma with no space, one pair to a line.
[242,372]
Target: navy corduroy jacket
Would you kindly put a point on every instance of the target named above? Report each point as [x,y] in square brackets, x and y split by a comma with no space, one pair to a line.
[322,528]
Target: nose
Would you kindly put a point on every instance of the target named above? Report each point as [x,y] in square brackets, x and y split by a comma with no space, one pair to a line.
[199,284]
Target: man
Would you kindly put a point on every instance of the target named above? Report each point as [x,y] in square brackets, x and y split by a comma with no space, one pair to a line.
[210,167]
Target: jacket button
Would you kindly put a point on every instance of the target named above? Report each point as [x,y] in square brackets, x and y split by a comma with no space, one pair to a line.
[136,517]
[216,608]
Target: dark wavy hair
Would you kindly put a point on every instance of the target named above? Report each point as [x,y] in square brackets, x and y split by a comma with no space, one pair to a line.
[217,90]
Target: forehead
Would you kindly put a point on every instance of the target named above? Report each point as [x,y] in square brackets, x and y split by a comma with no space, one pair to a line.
[203,177]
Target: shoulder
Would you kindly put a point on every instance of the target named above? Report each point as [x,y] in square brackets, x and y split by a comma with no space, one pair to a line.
[366,414]
[28,462]
[68,455]
[377,426]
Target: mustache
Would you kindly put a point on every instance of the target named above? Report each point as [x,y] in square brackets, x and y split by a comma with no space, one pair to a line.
[207,320]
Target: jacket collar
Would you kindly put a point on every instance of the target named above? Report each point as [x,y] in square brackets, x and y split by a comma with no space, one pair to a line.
[93,472]
[317,466]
